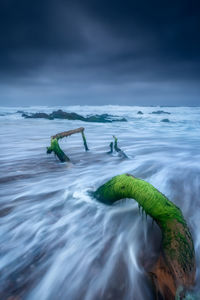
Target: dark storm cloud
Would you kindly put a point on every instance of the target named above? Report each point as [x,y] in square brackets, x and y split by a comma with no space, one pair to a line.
[82,51]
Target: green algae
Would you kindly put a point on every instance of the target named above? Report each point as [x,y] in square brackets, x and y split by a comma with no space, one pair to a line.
[117,149]
[149,198]
[57,150]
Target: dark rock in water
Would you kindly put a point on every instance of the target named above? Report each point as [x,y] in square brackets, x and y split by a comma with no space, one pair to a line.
[159,112]
[20,112]
[104,118]
[60,114]
[140,112]
[37,116]
[165,120]
[26,115]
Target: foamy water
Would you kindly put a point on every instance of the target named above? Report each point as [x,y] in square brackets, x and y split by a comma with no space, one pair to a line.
[56,242]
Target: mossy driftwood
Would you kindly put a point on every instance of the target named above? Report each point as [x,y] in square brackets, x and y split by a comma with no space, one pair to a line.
[175,267]
[55,145]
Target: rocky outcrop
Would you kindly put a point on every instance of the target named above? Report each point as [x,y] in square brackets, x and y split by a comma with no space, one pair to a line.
[37,116]
[60,114]
[165,120]
[159,112]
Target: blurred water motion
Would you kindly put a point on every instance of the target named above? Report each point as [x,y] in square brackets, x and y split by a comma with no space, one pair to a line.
[56,242]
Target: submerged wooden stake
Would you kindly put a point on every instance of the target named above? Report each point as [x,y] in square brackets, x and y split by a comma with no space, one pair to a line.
[84,140]
[55,147]
[111,148]
[117,149]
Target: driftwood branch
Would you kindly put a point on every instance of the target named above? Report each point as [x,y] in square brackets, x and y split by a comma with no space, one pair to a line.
[55,145]
[175,267]
[116,148]
[57,150]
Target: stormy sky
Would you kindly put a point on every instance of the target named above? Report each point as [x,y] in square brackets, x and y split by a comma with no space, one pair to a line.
[61,52]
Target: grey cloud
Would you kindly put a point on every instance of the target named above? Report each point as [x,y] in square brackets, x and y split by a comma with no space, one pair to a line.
[99,52]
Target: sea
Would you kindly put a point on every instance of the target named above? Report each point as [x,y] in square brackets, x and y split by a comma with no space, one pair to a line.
[56,240]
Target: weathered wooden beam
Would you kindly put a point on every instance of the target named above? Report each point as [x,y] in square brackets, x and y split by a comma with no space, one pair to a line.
[67,133]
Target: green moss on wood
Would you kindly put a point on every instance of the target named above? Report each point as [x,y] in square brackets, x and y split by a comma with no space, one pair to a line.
[117,149]
[57,150]
[55,145]
[177,242]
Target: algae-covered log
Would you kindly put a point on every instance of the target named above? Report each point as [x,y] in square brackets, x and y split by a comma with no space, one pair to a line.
[175,266]
[57,150]
[55,145]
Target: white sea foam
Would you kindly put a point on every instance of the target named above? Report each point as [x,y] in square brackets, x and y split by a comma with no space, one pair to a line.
[56,242]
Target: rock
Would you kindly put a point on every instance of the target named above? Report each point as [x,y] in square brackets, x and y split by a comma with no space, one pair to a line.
[104,118]
[165,120]
[60,114]
[140,112]
[37,116]
[159,112]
